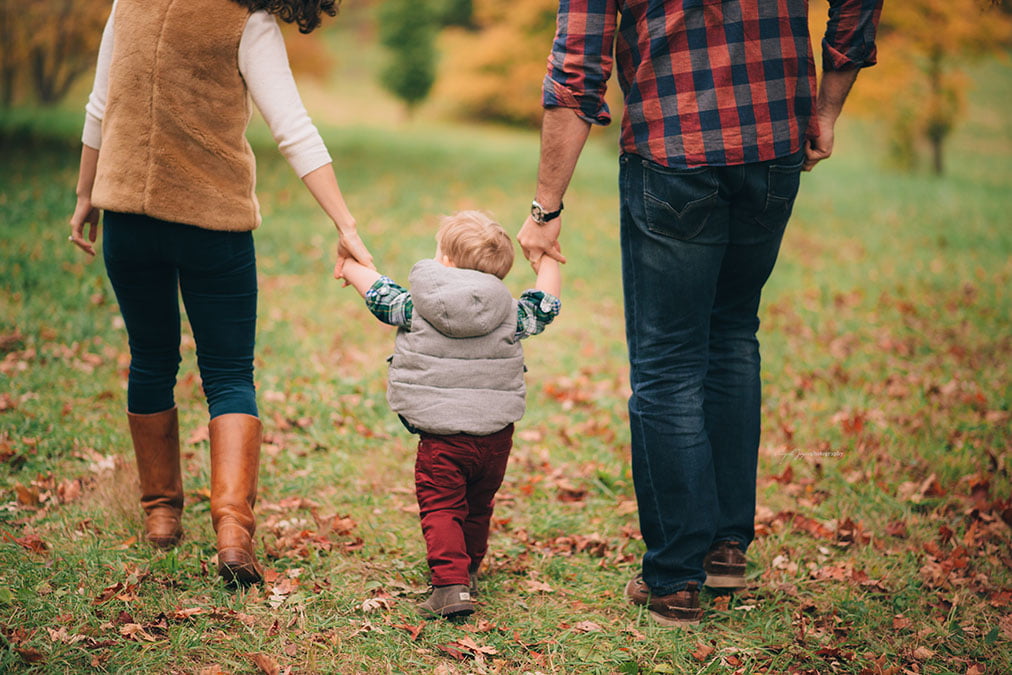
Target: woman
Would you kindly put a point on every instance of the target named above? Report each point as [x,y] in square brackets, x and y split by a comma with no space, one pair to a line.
[165,156]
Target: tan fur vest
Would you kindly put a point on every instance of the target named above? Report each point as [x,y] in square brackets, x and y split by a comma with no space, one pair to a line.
[174,133]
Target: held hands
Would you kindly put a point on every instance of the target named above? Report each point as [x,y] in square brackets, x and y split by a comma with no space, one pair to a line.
[84,213]
[537,241]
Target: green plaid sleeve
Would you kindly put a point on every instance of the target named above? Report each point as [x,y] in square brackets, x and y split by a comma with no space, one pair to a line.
[390,302]
[535,310]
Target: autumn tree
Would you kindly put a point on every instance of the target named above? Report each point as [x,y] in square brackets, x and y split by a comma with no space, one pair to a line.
[919,85]
[407,28]
[48,45]
[495,70]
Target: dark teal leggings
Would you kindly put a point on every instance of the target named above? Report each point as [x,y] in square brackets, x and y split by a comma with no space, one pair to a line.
[150,263]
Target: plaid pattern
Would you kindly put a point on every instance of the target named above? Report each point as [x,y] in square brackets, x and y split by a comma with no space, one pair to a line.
[706,83]
[392,304]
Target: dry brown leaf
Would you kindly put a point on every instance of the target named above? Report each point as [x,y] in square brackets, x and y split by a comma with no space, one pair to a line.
[587,627]
[136,631]
[266,664]
[703,651]
[414,631]
[26,496]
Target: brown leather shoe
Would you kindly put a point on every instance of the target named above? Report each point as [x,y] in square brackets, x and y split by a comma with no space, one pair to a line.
[725,566]
[447,601]
[156,449]
[235,466]
[678,609]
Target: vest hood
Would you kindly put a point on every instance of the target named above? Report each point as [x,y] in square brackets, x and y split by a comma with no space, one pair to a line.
[459,303]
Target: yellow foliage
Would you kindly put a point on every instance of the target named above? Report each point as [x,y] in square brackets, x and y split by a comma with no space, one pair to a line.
[918,86]
[307,54]
[495,71]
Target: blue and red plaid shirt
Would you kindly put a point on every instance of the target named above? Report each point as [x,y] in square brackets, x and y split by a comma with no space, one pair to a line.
[706,82]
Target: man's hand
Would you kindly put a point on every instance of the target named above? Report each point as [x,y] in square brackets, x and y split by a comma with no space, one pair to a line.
[833,90]
[539,240]
[819,147]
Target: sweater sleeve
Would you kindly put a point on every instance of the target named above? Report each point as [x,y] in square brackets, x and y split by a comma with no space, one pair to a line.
[94,110]
[263,62]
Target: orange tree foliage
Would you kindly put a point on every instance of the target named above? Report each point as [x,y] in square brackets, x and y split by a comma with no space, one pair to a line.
[494,71]
[919,87]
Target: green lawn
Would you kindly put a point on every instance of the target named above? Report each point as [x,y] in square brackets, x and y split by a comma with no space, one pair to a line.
[884,477]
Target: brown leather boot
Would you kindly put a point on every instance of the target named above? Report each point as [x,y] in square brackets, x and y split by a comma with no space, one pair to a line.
[235,463]
[156,448]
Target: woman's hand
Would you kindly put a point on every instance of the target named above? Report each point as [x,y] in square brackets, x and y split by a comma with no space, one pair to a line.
[351,246]
[84,214]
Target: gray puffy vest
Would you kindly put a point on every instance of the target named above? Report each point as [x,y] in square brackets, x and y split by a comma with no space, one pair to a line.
[459,369]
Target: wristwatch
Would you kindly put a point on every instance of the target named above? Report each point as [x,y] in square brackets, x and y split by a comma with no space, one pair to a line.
[540,216]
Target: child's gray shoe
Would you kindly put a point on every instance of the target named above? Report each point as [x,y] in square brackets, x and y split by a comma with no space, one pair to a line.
[447,601]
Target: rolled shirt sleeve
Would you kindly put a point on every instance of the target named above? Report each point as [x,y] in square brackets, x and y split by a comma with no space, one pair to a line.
[390,302]
[535,310]
[849,42]
[582,59]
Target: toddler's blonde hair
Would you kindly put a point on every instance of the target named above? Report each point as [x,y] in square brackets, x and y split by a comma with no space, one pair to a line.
[472,240]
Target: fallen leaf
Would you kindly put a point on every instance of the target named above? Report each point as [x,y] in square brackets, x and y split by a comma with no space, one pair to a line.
[536,586]
[900,622]
[32,543]
[414,631]
[108,593]
[26,496]
[702,652]
[587,627]
[376,604]
[30,655]
[62,636]
[265,663]
[922,653]
[136,631]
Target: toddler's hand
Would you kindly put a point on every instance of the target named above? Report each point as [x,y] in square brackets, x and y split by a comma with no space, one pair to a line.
[343,258]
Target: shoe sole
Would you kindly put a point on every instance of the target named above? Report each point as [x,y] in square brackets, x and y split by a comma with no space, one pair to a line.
[725,581]
[672,623]
[448,612]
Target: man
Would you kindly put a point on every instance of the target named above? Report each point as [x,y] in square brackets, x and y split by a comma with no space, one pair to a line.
[721,116]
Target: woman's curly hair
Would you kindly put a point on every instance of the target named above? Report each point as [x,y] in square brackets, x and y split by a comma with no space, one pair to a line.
[306,13]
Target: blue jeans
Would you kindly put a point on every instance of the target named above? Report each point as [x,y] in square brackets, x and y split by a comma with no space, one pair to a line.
[697,247]
[149,263]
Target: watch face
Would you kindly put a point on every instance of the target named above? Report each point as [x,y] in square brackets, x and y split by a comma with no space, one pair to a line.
[537,213]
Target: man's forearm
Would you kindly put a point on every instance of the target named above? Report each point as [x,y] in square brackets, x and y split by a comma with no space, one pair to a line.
[833,92]
[563,134]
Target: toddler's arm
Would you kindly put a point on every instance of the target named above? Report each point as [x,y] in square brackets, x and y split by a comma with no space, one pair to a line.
[358,275]
[538,307]
[390,303]
[549,276]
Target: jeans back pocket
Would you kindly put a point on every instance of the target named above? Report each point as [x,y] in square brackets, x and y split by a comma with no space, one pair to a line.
[678,202]
[783,178]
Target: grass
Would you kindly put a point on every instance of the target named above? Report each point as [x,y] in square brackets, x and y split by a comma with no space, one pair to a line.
[884,478]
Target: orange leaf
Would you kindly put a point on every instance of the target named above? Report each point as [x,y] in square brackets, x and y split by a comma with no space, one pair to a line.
[702,652]
[266,664]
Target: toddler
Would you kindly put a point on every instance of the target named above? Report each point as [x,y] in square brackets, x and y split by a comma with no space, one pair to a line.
[457,380]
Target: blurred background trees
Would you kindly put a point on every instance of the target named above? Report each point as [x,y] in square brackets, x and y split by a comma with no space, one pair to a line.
[484,60]
[919,86]
[47,45]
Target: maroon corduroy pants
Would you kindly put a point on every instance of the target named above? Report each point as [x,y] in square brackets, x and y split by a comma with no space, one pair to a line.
[456,478]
